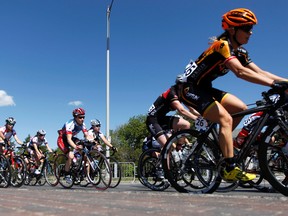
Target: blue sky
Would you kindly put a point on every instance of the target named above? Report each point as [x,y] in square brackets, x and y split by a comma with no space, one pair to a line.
[53,55]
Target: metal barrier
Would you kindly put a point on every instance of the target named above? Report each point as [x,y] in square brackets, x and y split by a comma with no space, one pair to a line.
[128,171]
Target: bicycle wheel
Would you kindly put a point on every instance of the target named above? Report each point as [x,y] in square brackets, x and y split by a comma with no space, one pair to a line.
[199,172]
[273,162]
[98,170]
[49,174]
[5,172]
[18,172]
[59,170]
[147,171]
[115,168]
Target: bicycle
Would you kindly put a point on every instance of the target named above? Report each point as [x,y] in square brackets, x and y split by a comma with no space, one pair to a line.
[5,172]
[18,166]
[206,160]
[46,174]
[91,165]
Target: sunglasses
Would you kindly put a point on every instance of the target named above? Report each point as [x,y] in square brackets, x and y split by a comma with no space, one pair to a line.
[246,28]
[81,117]
[96,125]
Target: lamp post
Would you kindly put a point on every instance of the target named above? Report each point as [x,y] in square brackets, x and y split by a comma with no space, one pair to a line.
[108,76]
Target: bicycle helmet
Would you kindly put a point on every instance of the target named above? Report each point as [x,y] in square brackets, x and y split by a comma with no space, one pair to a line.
[95,122]
[78,111]
[180,79]
[10,121]
[41,132]
[238,17]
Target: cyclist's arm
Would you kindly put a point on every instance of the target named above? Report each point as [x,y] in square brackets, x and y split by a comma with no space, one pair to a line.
[18,140]
[37,150]
[246,73]
[48,147]
[258,70]
[180,108]
[105,140]
[70,141]
[2,136]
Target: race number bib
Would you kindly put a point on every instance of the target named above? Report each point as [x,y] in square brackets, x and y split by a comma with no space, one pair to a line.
[201,124]
[190,68]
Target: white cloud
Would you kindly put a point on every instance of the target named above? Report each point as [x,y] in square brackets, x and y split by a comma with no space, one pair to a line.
[75,103]
[6,100]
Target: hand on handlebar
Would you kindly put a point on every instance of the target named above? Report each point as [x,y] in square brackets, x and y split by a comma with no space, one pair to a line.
[114,149]
[280,85]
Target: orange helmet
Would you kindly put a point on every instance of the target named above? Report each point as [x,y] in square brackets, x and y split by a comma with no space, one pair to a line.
[238,17]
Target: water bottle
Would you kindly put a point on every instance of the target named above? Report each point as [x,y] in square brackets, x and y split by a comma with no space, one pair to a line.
[185,153]
[76,158]
[240,139]
[176,156]
[95,164]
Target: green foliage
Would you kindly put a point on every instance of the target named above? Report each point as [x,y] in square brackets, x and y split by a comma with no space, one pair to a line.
[128,138]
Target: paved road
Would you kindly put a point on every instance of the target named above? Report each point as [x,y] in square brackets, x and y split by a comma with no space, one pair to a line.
[133,199]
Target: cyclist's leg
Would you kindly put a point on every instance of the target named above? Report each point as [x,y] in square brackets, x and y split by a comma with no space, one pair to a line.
[233,105]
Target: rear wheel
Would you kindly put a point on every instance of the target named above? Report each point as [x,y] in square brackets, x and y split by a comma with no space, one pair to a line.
[147,171]
[18,172]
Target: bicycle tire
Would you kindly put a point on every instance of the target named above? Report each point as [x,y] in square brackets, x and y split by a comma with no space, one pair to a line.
[115,168]
[147,171]
[275,172]
[49,174]
[5,172]
[18,172]
[59,165]
[98,171]
[207,179]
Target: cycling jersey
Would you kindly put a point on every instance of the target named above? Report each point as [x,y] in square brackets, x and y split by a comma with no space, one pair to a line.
[162,105]
[37,141]
[7,134]
[211,63]
[71,127]
[198,91]
[157,121]
[96,136]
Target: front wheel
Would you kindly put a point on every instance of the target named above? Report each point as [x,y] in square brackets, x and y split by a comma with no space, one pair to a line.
[272,160]
[98,170]
[49,174]
[197,173]
[116,172]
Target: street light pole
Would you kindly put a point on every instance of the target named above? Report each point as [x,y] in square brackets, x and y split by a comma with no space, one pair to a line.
[108,75]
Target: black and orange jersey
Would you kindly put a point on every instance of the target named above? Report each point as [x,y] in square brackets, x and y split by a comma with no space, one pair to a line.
[211,63]
[162,104]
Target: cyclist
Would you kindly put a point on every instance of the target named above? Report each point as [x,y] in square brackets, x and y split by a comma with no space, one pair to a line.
[158,121]
[96,134]
[6,132]
[67,139]
[34,150]
[225,53]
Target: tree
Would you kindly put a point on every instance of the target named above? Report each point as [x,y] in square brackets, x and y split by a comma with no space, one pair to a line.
[129,137]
